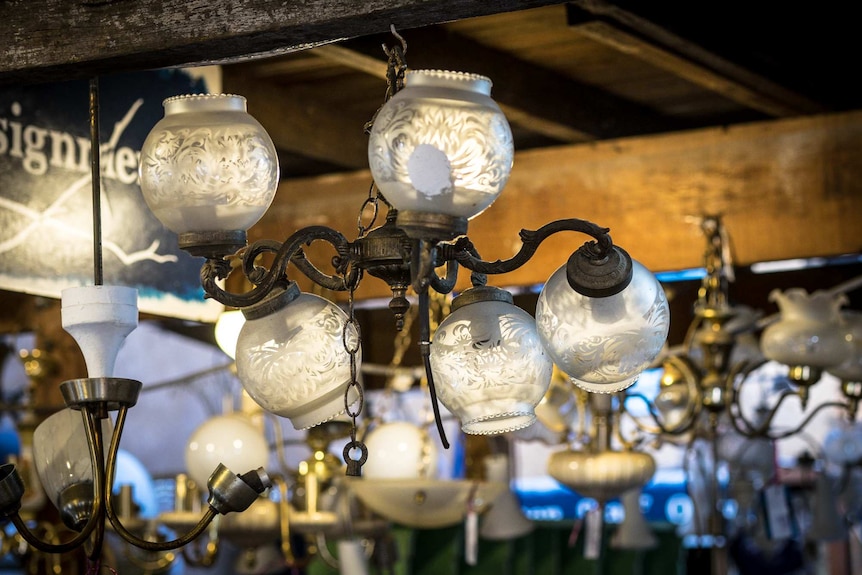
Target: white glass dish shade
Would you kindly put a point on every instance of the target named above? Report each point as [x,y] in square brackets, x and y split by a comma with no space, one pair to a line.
[851,368]
[603,344]
[208,165]
[441,145]
[424,503]
[809,331]
[603,475]
[400,450]
[489,366]
[232,440]
[61,453]
[294,363]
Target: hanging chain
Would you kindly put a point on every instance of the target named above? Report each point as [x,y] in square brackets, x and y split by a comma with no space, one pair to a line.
[353,346]
[396,68]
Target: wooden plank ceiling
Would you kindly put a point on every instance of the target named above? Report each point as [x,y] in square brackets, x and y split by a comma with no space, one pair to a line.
[567,75]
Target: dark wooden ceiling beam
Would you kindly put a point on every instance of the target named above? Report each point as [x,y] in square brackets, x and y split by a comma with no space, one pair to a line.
[298,121]
[539,99]
[632,34]
[54,40]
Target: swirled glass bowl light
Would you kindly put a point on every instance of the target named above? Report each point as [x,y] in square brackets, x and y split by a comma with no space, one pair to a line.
[603,343]
[489,364]
[208,165]
[291,357]
[441,145]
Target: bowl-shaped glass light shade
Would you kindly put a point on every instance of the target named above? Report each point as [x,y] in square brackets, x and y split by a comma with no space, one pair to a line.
[603,343]
[61,453]
[400,450]
[293,361]
[601,476]
[208,165]
[809,332]
[489,365]
[232,440]
[441,145]
[851,368]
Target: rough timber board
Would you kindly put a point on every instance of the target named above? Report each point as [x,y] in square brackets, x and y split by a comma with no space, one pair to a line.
[786,189]
[64,39]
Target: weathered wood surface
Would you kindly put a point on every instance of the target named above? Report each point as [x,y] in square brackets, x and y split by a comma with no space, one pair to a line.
[786,189]
[61,39]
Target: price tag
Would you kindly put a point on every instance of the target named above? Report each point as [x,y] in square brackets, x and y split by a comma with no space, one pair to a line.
[779,521]
[471,532]
[593,541]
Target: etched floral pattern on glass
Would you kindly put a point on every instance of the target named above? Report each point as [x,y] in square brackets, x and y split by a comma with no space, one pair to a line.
[489,367]
[212,169]
[294,362]
[603,344]
[439,145]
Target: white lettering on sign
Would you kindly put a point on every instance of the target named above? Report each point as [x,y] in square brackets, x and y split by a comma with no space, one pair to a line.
[39,148]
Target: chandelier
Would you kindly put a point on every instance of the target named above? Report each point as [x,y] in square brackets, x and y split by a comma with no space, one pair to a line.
[440,153]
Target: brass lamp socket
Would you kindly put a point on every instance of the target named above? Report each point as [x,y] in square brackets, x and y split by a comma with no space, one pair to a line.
[112,392]
[599,276]
[229,492]
[11,490]
[804,375]
[212,245]
[431,226]
[76,505]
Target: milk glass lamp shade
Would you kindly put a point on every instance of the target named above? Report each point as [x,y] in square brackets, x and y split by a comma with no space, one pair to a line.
[208,165]
[291,357]
[809,332]
[400,450]
[603,343]
[61,453]
[441,145]
[232,440]
[488,363]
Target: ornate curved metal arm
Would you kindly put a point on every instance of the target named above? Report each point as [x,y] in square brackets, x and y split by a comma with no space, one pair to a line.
[693,405]
[115,520]
[463,252]
[748,428]
[285,253]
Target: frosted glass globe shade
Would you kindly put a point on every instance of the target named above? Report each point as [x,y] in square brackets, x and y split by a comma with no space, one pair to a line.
[232,440]
[603,343]
[400,450]
[488,362]
[293,361]
[61,453]
[208,165]
[441,145]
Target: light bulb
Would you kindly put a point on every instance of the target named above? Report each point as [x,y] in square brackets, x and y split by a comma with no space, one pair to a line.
[291,357]
[603,343]
[232,440]
[227,328]
[400,450]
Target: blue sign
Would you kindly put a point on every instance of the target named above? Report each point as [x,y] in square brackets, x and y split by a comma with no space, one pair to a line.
[46,224]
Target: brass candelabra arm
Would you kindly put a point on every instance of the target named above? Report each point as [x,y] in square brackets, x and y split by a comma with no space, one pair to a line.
[692,402]
[596,269]
[761,429]
[207,557]
[265,280]
[121,530]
